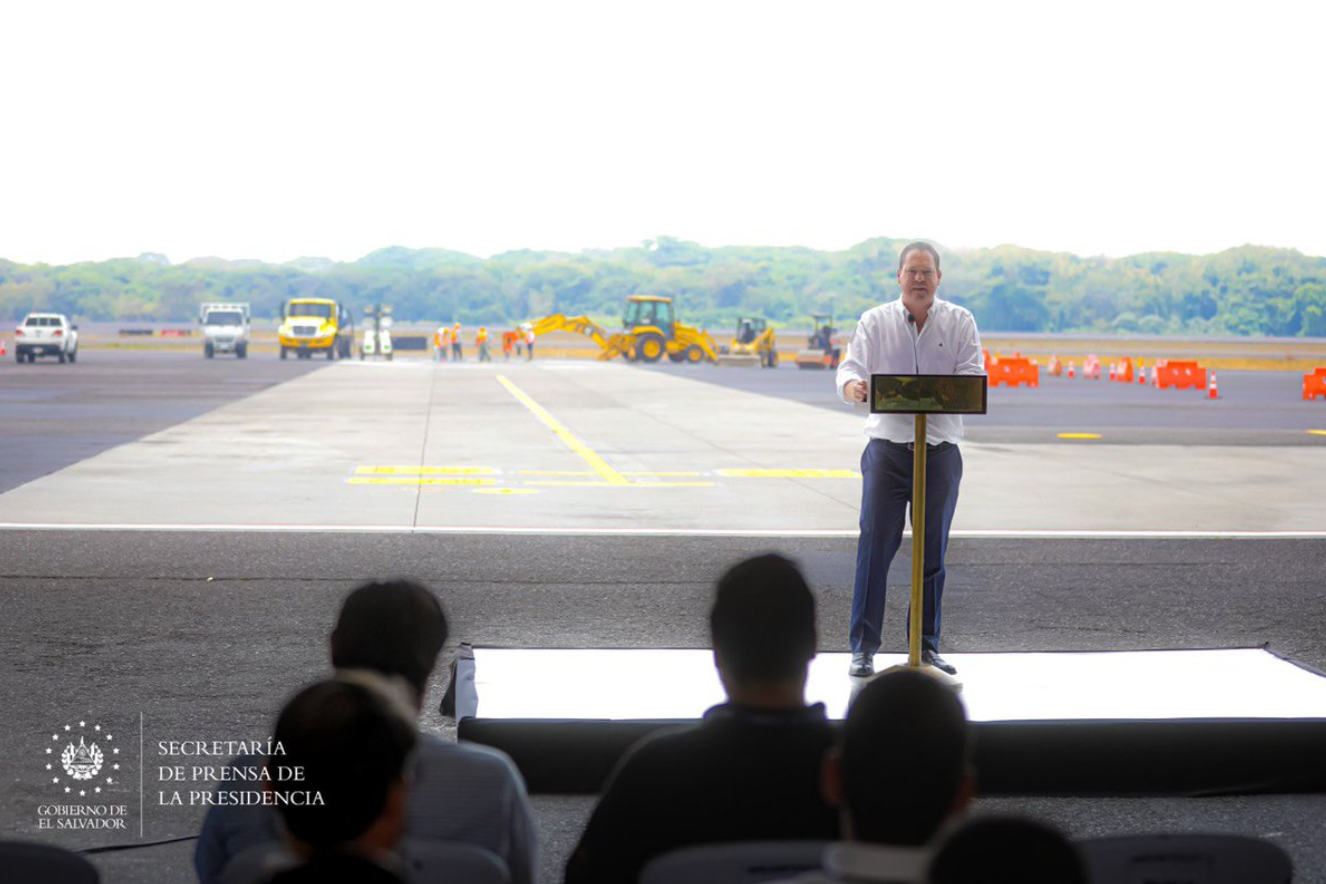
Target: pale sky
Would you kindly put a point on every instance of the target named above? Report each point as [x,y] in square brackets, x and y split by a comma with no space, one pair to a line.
[275,130]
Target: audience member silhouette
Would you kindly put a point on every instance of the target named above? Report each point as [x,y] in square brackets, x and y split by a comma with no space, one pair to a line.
[460,792]
[902,771]
[750,769]
[1007,850]
[345,811]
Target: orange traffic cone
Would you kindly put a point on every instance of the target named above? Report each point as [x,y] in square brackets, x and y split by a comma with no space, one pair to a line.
[1070,371]
[1141,375]
[2,347]
[1211,392]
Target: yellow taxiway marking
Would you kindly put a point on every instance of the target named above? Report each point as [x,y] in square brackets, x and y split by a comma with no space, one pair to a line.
[416,480]
[425,471]
[1079,435]
[506,491]
[789,474]
[598,464]
[1318,432]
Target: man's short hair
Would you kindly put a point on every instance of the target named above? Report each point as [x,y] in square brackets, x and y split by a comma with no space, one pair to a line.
[763,620]
[350,742]
[390,627]
[918,246]
[1007,850]
[905,753]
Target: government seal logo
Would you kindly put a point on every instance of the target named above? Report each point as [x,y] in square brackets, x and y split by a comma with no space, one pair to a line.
[88,751]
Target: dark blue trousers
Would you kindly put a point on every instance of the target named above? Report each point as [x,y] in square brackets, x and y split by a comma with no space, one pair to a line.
[886,496]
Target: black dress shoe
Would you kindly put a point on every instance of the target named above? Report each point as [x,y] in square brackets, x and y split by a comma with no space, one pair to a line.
[863,666]
[932,658]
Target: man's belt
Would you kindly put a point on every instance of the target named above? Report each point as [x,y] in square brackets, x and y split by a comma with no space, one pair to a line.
[935,448]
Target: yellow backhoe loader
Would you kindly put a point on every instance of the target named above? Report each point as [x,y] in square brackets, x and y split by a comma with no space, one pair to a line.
[752,344]
[649,332]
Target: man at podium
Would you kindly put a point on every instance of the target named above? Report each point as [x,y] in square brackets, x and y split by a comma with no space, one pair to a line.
[916,334]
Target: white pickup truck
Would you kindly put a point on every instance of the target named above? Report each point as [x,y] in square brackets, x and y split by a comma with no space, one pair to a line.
[225,329]
[46,334]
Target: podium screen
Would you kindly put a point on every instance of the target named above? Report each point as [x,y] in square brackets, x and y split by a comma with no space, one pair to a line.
[927,394]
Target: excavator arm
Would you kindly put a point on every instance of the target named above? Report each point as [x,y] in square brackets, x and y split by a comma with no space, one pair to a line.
[612,344]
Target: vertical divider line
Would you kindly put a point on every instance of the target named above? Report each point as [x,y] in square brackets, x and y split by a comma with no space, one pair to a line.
[141,762]
[423,449]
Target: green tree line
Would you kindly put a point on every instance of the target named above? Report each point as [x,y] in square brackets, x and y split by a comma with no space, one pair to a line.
[1250,290]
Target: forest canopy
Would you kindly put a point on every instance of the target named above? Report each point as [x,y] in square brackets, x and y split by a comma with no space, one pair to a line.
[1250,290]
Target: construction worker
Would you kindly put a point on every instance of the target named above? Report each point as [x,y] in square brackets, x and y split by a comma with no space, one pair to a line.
[529,342]
[455,342]
[508,340]
[440,343]
[481,341]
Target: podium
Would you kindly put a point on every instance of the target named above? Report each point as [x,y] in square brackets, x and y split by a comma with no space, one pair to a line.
[922,395]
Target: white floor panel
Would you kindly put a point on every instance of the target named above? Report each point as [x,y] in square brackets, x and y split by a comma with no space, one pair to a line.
[1246,683]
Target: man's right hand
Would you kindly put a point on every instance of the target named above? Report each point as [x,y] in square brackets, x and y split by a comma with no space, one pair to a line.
[856,390]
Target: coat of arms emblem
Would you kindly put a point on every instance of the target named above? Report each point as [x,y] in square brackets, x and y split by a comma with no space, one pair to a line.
[82,762]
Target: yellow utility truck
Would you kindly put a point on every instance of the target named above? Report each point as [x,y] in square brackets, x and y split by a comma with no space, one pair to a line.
[752,344]
[316,325]
[649,332]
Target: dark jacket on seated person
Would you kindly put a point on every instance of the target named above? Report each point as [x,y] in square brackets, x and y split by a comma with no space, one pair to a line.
[743,774]
[337,868]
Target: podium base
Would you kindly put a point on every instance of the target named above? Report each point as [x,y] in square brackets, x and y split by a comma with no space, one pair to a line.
[951,682]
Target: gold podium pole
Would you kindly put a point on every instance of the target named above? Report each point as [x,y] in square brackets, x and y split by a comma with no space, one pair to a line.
[918,544]
[916,618]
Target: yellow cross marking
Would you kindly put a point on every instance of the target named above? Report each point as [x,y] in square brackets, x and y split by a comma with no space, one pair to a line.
[598,464]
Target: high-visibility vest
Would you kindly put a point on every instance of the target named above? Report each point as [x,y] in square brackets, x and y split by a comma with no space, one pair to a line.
[529,336]
[482,337]
[438,337]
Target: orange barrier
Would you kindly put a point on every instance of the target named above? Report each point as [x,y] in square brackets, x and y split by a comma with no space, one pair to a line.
[1123,371]
[1091,368]
[1314,384]
[1013,371]
[1181,375]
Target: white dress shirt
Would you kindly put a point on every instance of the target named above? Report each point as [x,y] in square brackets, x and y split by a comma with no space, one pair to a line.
[886,343]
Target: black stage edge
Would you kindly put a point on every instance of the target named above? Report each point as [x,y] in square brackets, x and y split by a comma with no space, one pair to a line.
[1083,758]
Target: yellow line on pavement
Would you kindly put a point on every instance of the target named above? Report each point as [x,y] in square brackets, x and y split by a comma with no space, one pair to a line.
[506,491]
[598,464]
[1317,432]
[1079,435]
[789,474]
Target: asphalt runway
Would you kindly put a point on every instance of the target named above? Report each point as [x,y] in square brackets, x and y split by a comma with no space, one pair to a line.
[1253,408]
[203,632]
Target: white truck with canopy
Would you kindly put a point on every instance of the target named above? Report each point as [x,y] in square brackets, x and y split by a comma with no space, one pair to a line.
[225,329]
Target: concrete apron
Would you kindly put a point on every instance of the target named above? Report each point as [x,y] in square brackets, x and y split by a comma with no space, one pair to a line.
[570,446]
